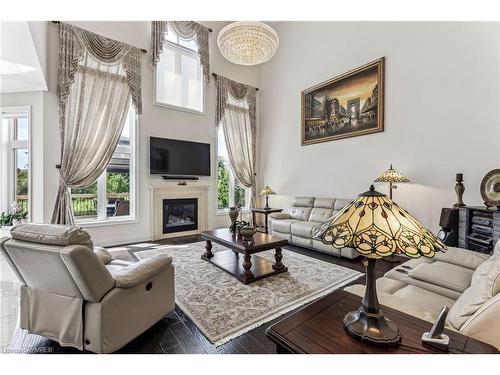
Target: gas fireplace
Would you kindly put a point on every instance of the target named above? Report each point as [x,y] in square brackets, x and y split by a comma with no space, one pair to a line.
[180,215]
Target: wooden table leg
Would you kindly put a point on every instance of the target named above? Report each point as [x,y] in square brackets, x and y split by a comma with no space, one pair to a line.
[265,223]
[278,257]
[247,264]
[208,253]
[253,219]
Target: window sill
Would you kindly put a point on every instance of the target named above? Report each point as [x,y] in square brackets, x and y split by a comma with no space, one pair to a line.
[106,222]
[179,108]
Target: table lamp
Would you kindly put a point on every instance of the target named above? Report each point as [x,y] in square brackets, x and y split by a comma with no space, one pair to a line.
[267,191]
[376,227]
[391,176]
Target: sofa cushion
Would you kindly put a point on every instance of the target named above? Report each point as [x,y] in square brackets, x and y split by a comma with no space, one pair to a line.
[301,208]
[496,251]
[303,202]
[300,213]
[424,299]
[443,274]
[484,287]
[341,203]
[391,286]
[303,228]
[397,303]
[283,226]
[404,277]
[280,215]
[52,234]
[461,257]
[324,203]
[320,214]
[103,254]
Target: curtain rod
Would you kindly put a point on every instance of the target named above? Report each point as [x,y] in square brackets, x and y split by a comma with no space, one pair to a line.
[215,75]
[142,49]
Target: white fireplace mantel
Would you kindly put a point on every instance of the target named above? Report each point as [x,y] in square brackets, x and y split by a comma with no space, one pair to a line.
[161,192]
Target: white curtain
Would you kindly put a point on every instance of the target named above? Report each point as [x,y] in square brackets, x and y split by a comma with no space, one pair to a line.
[93,107]
[236,114]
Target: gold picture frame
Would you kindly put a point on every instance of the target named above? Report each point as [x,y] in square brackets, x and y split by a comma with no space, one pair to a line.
[349,105]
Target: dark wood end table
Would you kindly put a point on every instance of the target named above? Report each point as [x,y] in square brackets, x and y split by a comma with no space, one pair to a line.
[318,329]
[241,260]
[265,212]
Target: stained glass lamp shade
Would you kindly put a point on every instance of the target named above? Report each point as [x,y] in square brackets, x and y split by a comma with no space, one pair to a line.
[267,191]
[391,176]
[376,227]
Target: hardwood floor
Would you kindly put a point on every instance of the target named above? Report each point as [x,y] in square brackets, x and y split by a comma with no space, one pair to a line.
[177,334]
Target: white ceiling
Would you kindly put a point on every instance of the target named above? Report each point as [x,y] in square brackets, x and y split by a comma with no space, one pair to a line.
[20,69]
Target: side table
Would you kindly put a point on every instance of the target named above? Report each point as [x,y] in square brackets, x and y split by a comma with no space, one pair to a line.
[318,329]
[265,212]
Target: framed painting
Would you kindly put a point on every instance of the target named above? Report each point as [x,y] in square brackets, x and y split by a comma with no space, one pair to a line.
[348,105]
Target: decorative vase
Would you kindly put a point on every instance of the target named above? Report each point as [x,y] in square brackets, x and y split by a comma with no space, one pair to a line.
[459,189]
[233,215]
[248,232]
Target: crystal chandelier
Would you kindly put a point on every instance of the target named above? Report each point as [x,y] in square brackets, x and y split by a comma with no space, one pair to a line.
[247,43]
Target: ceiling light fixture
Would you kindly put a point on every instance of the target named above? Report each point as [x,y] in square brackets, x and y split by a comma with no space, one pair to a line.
[248,43]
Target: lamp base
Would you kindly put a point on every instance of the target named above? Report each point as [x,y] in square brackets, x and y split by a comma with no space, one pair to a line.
[373,328]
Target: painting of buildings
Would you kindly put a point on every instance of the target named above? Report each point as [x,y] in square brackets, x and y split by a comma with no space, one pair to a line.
[346,106]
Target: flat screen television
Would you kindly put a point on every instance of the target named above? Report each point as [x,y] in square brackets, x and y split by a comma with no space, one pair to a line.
[176,157]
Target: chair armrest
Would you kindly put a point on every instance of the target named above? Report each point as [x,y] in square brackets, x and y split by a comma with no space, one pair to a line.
[280,215]
[130,276]
[103,254]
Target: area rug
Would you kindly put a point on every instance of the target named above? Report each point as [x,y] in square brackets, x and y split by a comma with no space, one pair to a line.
[224,308]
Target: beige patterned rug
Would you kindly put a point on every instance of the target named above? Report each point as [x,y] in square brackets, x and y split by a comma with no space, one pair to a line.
[224,308]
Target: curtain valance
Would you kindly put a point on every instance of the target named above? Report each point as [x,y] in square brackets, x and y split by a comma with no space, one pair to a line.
[76,45]
[186,30]
[239,92]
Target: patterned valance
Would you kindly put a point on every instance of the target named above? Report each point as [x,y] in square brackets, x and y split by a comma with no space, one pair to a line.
[186,30]
[76,44]
[239,92]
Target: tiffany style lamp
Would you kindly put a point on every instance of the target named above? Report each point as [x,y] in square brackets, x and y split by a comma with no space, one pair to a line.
[391,176]
[267,191]
[376,227]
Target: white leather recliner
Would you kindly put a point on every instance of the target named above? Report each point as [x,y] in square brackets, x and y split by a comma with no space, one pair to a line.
[80,297]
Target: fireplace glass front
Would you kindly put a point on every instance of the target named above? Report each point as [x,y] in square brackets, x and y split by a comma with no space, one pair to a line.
[180,215]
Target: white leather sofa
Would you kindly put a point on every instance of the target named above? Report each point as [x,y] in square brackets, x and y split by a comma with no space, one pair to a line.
[77,295]
[304,215]
[466,281]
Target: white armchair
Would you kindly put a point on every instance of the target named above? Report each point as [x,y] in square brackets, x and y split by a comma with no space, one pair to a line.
[80,297]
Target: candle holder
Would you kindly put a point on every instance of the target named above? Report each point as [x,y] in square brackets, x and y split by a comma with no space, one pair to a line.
[459,189]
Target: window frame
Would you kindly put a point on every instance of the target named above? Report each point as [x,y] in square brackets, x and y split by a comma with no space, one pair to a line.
[232,179]
[10,159]
[133,187]
[157,103]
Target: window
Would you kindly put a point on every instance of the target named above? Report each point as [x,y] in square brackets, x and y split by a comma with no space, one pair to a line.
[112,196]
[230,192]
[15,165]
[179,77]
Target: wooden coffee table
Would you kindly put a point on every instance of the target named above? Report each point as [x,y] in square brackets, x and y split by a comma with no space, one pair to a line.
[240,260]
[318,329]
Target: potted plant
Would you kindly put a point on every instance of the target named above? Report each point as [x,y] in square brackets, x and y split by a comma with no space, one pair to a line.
[14,216]
[6,220]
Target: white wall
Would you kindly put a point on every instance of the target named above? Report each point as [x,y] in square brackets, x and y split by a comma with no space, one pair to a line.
[442,100]
[155,121]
